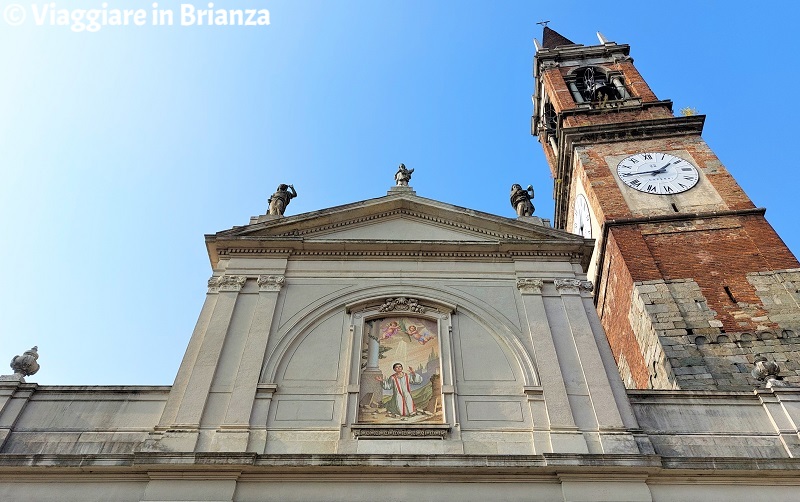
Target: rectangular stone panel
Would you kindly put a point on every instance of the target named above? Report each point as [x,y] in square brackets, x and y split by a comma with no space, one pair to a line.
[494,411]
[304,410]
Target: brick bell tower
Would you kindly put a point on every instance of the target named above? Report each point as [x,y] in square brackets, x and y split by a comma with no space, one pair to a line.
[691,282]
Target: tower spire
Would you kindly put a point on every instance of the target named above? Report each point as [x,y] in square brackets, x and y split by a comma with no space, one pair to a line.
[552,39]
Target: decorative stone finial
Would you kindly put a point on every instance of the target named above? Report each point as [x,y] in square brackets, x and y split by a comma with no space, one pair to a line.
[24,365]
[403,175]
[521,200]
[767,371]
[280,199]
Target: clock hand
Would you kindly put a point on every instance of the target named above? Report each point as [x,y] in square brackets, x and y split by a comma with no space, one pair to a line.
[645,172]
[660,170]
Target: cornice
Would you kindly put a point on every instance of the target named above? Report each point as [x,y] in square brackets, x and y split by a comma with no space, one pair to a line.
[252,466]
[397,212]
[577,54]
[577,251]
[308,234]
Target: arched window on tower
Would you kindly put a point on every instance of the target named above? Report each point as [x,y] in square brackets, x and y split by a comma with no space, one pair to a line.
[550,118]
[595,85]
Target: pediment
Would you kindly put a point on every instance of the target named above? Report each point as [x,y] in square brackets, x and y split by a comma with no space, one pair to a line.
[403,227]
[395,224]
[399,218]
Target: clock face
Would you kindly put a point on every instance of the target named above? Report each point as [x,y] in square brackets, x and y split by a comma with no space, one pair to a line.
[581,221]
[658,173]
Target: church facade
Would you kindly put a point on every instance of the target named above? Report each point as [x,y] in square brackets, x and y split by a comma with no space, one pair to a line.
[402,348]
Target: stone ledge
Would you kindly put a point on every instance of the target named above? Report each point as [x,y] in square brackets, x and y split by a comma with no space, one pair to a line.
[275,464]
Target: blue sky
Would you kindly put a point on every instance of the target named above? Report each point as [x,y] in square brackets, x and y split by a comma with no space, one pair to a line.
[120,149]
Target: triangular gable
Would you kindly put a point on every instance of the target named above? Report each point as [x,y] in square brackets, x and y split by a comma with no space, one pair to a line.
[400,227]
[399,217]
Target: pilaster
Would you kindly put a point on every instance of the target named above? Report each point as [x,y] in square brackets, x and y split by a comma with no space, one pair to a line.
[14,395]
[564,434]
[182,434]
[234,433]
[782,404]
[612,434]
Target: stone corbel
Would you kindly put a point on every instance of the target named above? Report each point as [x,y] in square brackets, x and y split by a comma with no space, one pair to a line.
[226,283]
[271,282]
[528,286]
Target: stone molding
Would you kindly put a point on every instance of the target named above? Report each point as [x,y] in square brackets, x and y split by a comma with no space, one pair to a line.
[529,286]
[573,286]
[396,212]
[427,306]
[226,283]
[271,282]
[507,255]
[432,431]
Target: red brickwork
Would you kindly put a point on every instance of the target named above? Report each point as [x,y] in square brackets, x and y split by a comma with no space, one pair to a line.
[556,89]
[770,246]
[614,297]
[615,115]
[636,84]
[716,259]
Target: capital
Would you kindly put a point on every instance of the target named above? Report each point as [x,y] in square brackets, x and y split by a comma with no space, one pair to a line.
[271,282]
[226,283]
[573,286]
[528,286]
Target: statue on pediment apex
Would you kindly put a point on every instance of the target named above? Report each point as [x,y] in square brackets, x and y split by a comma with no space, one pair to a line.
[403,175]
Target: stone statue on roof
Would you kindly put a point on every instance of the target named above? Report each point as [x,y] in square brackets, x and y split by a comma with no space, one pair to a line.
[403,175]
[280,199]
[521,200]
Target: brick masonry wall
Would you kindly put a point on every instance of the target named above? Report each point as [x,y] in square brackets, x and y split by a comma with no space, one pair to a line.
[636,84]
[718,254]
[616,115]
[556,89]
[614,296]
[685,346]
[680,328]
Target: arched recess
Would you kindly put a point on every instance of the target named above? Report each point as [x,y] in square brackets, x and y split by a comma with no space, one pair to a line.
[291,335]
[596,84]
